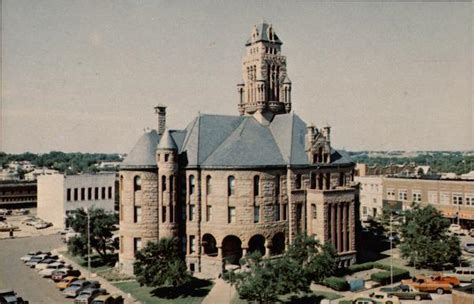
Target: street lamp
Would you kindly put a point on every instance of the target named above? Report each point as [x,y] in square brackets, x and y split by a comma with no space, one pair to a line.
[88,241]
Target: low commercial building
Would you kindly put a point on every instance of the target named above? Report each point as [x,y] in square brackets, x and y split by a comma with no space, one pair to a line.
[17,194]
[59,194]
[371,195]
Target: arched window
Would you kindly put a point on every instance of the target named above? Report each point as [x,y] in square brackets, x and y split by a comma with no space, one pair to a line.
[256,185]
[191,185]
[171,183]
[298,181]
[137,183]
[163,183]
[313,180]
[277,185]
[208,185]
[231,185]
[121,185]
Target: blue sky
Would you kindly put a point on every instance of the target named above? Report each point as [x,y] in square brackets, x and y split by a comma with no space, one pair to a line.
[85,75]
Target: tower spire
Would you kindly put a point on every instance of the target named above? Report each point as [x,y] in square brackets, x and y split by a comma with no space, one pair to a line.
[266,87]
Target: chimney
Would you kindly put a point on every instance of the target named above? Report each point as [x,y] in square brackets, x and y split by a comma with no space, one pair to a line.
[161,111]
[327,132]
[310,134]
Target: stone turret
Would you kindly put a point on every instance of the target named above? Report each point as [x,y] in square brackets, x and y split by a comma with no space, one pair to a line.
[167,160]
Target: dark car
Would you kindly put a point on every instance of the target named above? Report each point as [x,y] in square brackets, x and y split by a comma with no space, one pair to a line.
[58,275]
[10,297]
[88,294]
[405,292]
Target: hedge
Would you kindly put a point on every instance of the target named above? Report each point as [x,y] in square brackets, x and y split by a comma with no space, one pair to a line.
[336,283]
[360,267]
[383,277]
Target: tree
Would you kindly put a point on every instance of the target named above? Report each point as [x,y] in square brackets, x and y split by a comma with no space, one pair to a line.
[263,280]
[425,239]
[102,226]
[160,264]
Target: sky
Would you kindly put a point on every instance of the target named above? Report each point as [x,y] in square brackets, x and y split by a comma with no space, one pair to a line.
[85,75]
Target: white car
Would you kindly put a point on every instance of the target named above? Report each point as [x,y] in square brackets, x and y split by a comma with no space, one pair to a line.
[48,271]
[457,230]
[29,255]
[43,264]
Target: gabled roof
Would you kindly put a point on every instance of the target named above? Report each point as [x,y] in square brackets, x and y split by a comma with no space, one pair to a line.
[262,35]
[143,153]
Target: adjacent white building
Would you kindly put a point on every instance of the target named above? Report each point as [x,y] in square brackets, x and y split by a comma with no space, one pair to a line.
[371,195]
[59,194]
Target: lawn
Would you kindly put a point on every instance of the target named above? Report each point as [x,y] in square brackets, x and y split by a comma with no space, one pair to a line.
[97,265]
[194,292]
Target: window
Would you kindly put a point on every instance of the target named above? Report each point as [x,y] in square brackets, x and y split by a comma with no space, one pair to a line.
[167,156]
[285,211]
[457,198]
[163,214]
[68,194]
[341,179]
[364,210]
[208,213]
[314,211]
[75,194]
[277,185]
[171,213]
[110,192]
[137,244]
[96,193]
[231,215]
[230,185]
[83,194]
[391,193]
[171,183]
[277,211]
[191,185]
[312,180]
[103,193]
[137,183]
[298,181]
[192,244]
[470,199]
[192,211]
[89,193]
[121,244]
[444,198]
[137,216]
[416,196]
[402,195]
[256,214]
[163,183]
[208,185]
[432,197]
[256,185]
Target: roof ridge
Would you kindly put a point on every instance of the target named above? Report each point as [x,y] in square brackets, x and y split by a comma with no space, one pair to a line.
[276,142]
[188,135]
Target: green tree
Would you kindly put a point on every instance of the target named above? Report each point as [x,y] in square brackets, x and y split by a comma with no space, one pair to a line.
[160,264]
[264,280]
[425,239]
[102,226]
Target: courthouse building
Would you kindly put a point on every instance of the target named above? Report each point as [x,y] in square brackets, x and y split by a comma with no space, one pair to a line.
[227,185]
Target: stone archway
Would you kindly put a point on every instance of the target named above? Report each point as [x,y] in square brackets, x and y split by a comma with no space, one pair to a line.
[257,244]
[278,243]
[209,245]
[232,249]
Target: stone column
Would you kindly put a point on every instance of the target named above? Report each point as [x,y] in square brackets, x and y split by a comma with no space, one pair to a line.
[244,251]
[339,227]
[219,252]
[344,230]
[333,225]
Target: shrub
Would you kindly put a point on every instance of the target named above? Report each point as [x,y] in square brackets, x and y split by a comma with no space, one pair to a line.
[360,267]
[336,283]
[383,277]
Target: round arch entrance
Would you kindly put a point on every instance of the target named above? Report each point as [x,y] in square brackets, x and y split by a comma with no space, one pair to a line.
[232,249]
[257,244]
[209,245]
[278,243]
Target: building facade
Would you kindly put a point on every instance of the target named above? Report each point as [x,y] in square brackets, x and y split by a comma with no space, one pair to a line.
[59,194]
[17,194]
[454,198]
[230,185]
[370,195]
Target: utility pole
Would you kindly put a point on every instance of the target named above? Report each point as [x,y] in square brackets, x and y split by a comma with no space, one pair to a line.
[391,252]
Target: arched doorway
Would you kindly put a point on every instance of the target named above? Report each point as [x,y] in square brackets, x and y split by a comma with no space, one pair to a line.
[232,249]
[257,243]
[209,245]
[278,243]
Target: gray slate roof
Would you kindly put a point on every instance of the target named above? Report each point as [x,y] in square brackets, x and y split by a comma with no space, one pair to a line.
[263,35]
[167,142]
[222,141]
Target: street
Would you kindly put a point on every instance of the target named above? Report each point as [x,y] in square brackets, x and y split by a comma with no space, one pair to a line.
[26,281]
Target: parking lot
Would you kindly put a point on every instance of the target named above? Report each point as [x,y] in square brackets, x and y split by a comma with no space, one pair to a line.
[26,281]
[25,230]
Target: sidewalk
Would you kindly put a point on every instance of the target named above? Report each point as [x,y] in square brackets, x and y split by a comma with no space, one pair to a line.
[221,293]
[111,289]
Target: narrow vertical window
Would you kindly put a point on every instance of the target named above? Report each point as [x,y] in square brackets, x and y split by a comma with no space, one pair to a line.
[341,179]
[137,244]
[68,194]
[256,185]
[230,185]
[298,181]
[313,180]
[75,194]
[137,183]
[137,218]
[89,193]
[163,183]
[192,211]
[96,193]
[192,244]
[110,192]
[208,213]
[103,193]
[171,184]
[208,185]
[83,194]
[277,212]
[163,214]
[277,185]
[285,212]
[191,184]
[314,211]
[256,214]
[231,215]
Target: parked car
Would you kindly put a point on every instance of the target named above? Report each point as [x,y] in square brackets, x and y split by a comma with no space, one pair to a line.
[428,285]
[88,294]
[457,230]
[468,247]
[66,282]
[108,299]
[75,288]
[44,263]
[464,274]
[36,259]
[4,226]
[29,255]
[10,297]
[406,292]
[48,271]
[43,225]
[376,298]
[59,274]
[5,212]
[454,281]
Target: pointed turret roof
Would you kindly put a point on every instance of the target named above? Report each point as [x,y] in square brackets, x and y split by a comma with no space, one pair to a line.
[167,142]
[262,33]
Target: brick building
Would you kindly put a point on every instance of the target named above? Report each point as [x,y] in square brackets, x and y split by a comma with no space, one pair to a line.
[229,185]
